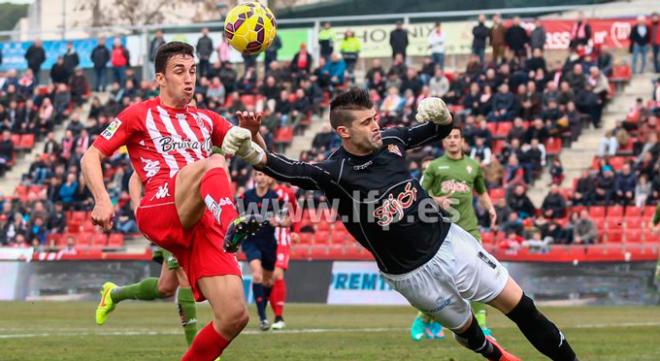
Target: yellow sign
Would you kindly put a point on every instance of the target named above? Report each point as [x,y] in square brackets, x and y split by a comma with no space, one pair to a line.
[376,38]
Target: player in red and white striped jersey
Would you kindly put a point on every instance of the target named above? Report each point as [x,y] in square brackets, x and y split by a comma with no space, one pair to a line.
[284,236]
[187,206]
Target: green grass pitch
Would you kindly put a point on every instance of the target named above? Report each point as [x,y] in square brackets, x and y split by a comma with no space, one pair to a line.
[53,331]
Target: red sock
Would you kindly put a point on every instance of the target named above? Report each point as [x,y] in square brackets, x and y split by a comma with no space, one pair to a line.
[216,194]
[277,297]
[207,345]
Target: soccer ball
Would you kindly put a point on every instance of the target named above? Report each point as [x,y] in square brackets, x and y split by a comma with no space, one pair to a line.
[250,28]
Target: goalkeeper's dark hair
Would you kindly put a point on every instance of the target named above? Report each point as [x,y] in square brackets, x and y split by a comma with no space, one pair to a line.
[342,105]
[167,51]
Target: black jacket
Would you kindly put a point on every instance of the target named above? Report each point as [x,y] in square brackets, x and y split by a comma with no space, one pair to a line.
[100,57]
[204,47]
[35,56]
[637,38]
[516,37]
[399,40]
[480,34]
[71,61]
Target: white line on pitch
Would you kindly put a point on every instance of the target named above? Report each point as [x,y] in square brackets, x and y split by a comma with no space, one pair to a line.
[283,332]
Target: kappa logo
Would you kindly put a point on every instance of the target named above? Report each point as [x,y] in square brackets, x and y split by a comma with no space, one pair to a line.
[162,192]
[394,149]
[111,129]
[216,207]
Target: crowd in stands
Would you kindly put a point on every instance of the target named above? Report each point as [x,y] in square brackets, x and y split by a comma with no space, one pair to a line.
[516,109]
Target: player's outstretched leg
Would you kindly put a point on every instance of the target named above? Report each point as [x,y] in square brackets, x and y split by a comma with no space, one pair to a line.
[473,338]
[111,294]
[540,332]
[230,315]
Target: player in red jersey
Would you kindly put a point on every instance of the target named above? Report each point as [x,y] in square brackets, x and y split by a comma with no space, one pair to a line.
[187,206]
[284,237]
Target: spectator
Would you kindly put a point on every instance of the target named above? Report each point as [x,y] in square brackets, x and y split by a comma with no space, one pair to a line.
[502,210]
[216,90]
[581,32]
[584,230]
[50,145]
[68,190]
[512,224]
[536,62]
[6,151]
[100,57]
[46,115]
[503,105]
[498,38]
[350,50]
[640,36]
[588,102]
[70,248]
[599,83]
[557,171]
[335,70]
[480,152]
[480,35]
[411,82]
[530,102]
[583,194]
[79,87]
[155,44]
[517,39]
[327,41]
[71,58]
[120,61]
[535,156]
[609,144]
[520,203]
[270,54]
[655,41]
[436,40]
[518,130]
[566,94]
[399,40]
[58,72]
[643,191]
[35,56]
[204,50]
[554,204]
[324,139]
[605,183]
[439,84]
[75,126]
[301,64]
[624,185]
[604,60]
[537,37]
[83,141]
[37,229]
[61,101]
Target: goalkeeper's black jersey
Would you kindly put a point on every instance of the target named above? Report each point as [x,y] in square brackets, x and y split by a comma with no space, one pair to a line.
[380,203]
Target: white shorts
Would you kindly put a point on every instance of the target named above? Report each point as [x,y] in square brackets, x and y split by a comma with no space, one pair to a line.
[461,271]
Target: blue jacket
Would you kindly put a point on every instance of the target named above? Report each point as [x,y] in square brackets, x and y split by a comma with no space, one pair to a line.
[335,69]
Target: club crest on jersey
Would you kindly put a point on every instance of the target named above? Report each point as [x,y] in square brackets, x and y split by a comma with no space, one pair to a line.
[111,129]
[393,208]
[469,169]
[394,149]
[452,186]
[151,167]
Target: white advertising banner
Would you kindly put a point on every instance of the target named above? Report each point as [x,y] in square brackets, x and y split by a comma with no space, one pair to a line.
[360,283]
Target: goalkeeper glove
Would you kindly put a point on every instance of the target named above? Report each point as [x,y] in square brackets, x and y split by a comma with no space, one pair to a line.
[238,141]
[433,110]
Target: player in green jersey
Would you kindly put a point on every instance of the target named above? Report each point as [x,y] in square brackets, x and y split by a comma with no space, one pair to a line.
[452,180]
[152,288]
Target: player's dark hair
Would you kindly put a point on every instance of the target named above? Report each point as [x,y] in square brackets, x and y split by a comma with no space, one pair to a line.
[460,129]
[168,50]
[342,105]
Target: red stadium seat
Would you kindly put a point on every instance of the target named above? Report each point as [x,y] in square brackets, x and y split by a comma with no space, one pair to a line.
[634,223]
[597,211]
[323,226]
[615,222]
[284,135]
[650,237]
[306,237]
[498,146]
[322,237]
[634,235]
[614,236]
[503,129]
[497,193]
[553,146]
[78,217]
[614,211]
[116,240]
[54,238]
[649,211]
[340,237]
[633,211]
[492,128]
[617,163]
[84,240]
[99,239]
[248,100]
[488,238]
[16,140]
[27,142]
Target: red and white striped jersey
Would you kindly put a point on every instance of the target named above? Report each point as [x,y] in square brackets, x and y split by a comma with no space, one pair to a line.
[162,140]
[288,199]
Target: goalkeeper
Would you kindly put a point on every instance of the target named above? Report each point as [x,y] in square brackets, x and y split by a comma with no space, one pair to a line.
[437,266]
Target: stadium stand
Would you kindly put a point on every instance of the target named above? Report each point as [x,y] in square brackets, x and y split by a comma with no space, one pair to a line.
[523,111]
